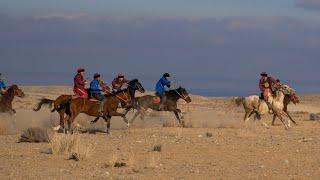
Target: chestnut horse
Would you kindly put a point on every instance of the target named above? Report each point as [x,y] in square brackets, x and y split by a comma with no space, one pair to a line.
[150,102]
[7,98]
[82,105]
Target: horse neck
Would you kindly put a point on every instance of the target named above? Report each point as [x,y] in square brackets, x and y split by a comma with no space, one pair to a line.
[279,96]
[9,96]
[131,91]
[173,95]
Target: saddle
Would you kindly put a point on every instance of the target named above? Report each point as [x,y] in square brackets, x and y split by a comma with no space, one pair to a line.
[156,100]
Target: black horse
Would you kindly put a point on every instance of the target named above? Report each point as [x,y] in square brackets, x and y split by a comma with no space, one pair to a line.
[153,102]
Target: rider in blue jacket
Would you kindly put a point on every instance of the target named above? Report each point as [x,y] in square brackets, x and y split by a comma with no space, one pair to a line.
[3,87]
[95,91]
[160,88]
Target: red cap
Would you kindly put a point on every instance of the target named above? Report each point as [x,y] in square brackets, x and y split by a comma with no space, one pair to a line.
[120,75]
[96,75]
[264,73]
[81,70]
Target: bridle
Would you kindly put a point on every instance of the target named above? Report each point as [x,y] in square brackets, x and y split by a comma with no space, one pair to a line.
[182,95]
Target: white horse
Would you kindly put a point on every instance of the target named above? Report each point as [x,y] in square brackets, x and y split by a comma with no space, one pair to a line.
[255,105]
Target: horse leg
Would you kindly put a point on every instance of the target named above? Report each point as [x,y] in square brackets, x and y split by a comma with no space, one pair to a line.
[177,116]
[247,117]
[180,112]
[115,113]
[108,121]
[274,120]
[278,114]
[289,116]
[135,116]
[95,120]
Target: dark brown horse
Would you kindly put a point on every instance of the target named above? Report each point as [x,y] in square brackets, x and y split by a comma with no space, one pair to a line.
[151,102]
[287,100]
[81,105]
[7,98]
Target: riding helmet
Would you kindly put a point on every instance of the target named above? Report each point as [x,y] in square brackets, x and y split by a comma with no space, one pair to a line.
[96,75]
[264,74]
[81,70]
[166,75]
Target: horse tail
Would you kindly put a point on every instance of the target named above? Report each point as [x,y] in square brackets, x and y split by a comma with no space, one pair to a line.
[42,102]
[239,101]
[64,105]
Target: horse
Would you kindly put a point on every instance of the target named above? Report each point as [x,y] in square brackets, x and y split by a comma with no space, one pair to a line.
[61,103]
[153,102]
[288,98]
[111,104]
[254,105]
[7,98]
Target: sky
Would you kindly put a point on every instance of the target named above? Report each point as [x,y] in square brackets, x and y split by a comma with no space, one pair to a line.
[211,47]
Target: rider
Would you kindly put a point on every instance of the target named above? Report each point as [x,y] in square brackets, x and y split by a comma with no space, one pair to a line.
[79,84]
[3,88]
[118,82]
[160,88]
[95,90]
[266,85]
[95,87]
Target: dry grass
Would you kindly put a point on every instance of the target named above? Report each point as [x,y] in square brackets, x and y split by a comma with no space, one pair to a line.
[34,134]
[73,145]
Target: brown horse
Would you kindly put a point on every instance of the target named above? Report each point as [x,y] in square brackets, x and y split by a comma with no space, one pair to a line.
[62,103]
[7,98]
[150,102]
[59,105]
[81,105]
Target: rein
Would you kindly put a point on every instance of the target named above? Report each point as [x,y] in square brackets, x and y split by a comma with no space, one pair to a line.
[181,95]
[126,99]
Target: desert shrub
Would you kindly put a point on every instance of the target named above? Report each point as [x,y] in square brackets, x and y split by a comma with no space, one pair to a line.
[73,145]
[34,134]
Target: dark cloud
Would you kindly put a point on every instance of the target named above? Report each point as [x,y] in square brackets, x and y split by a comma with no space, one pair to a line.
[208,55]
[308,4]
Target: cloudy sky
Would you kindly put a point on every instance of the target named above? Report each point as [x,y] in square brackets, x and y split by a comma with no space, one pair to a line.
[212,47]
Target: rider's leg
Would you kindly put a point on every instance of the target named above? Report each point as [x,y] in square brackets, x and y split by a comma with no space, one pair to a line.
[163,99]
[100,98]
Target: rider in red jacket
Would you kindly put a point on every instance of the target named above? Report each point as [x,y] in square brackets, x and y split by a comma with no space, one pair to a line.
[265,84]
[79,84]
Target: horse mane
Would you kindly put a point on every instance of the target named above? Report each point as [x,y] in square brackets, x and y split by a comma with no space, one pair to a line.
[113,94]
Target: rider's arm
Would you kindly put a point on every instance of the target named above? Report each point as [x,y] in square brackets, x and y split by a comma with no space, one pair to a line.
[79,80]
[261,86]
[166,82]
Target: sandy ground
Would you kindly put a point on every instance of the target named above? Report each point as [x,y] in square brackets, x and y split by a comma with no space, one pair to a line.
[215,146]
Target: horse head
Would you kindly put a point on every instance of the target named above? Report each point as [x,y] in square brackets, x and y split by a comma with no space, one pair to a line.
[182,92]
[17,91]
[136,85]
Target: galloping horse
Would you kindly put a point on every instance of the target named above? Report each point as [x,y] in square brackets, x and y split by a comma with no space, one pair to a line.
[254,105]
[7,98]
[288,98]
[81,105]
[152,102]
[62,103]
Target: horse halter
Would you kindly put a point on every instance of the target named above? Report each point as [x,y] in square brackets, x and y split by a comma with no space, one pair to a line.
[182,95]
